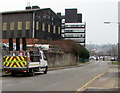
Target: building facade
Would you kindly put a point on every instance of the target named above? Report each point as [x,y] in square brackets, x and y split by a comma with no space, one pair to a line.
[32,23]
[75,31]
[72,26]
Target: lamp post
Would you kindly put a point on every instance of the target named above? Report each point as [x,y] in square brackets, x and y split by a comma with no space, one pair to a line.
[118,37]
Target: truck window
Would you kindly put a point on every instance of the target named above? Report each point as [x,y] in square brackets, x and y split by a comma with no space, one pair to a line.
[35,56]
[44,57]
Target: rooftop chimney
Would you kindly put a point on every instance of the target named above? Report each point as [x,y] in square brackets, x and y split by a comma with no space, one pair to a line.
[35,7]
[59,14]
[28,6]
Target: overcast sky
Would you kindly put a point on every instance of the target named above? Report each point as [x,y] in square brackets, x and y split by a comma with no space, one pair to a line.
[94,12]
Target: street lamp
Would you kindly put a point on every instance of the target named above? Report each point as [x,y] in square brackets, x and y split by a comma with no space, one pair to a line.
[118,37]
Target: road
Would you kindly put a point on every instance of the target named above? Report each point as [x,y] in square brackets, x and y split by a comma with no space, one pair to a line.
[70,79]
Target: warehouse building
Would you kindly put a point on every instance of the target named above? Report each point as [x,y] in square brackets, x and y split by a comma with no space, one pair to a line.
[32,23]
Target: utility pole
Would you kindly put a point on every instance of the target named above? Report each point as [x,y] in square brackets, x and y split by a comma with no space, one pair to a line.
[118,37]
[119,42]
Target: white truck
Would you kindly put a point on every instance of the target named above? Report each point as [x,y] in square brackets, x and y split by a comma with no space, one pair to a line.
[30,61]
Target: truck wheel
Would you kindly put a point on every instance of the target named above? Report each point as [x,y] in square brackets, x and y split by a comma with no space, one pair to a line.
[32,73]
[13,74]
[45,72]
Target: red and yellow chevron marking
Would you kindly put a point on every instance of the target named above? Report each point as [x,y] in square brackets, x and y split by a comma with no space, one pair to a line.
[15,61]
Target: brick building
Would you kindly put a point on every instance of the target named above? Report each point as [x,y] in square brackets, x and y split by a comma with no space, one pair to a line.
[32,23]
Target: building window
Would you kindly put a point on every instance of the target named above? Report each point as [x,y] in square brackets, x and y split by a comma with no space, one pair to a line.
[58,30]
[37,25]
[48,28]
[74,26]
[43,26]
[4,26]
[27,25]
[54,29]
[19,25]
[11,25]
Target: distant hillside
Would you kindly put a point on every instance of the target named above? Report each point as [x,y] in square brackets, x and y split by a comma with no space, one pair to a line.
[106,49]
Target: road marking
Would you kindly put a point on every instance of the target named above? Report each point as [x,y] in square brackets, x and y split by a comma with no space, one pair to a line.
[98,76]
[97,88]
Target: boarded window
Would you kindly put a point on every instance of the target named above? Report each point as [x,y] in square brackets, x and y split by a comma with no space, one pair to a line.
[58,30]
[48,28]
[43,26]
[37,25]
[11,25]
[54,29]
[19,25]
[27,25]
[4,26]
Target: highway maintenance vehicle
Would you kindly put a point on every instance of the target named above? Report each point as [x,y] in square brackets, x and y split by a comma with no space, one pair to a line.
[28,60]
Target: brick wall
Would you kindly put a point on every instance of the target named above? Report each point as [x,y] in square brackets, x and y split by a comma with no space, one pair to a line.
[28,41]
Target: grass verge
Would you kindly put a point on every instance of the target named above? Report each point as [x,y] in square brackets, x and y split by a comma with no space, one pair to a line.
[116,63]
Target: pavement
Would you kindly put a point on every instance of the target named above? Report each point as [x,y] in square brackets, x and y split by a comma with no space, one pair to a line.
[107,83]
[70,79]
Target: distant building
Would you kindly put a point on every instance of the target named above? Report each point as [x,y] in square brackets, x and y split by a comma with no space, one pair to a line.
[72,26]
[32,23]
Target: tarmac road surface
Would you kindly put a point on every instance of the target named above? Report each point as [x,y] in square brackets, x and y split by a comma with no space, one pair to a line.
[70,79]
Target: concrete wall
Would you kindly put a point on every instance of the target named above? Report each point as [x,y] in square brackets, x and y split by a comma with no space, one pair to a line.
[60,59]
